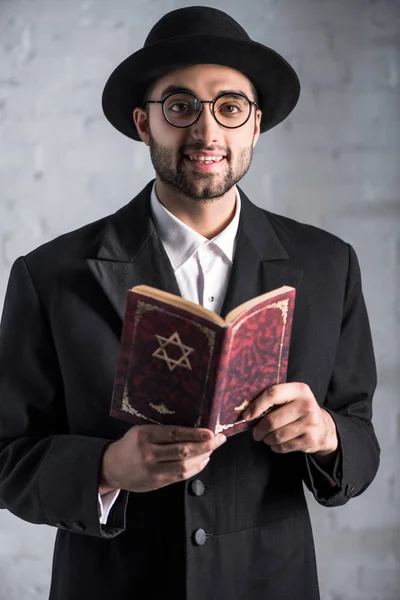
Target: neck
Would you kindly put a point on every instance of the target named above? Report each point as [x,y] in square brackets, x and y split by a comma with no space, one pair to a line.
[207,217]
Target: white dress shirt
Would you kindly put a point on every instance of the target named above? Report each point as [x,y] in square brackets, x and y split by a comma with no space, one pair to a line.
[201,267]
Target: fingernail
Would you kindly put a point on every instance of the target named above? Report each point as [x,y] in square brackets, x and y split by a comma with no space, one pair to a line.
[246,416]
[221,439]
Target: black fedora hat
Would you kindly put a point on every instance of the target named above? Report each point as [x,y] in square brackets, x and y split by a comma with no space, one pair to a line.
[200,35]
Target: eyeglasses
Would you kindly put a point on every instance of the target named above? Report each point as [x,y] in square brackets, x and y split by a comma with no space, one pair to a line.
[184,109]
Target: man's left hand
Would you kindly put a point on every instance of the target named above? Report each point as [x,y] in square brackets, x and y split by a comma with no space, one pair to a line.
[294,421]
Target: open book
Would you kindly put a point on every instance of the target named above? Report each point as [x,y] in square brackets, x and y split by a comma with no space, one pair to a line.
[182,364]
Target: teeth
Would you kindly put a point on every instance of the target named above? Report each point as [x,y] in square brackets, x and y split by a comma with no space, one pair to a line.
[206,159]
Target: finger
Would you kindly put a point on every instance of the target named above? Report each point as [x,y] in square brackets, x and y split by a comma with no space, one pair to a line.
[197,469]
[169,472]
[280,416]
[185,450]
[298,444]
[274,396]
[170,434]
[278,436]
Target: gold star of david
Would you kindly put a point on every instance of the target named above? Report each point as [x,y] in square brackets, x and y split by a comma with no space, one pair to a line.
[174,340]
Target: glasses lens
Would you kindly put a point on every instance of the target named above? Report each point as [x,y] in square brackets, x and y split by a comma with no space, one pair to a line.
[232,110]
[181,109]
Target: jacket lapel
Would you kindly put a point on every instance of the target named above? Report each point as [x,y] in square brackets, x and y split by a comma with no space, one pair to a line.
[131,253]
[260,261]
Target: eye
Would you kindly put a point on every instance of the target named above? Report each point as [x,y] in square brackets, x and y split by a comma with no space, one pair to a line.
[231,106]
[179,107]
[230,109]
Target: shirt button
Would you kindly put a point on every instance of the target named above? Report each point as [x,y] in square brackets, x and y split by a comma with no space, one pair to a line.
[197,487]
[199,537]
[211,298]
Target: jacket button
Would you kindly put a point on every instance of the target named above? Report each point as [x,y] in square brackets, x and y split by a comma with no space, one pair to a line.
[199,537]
[198,488]
[349,489]
[62,525]
[79,527]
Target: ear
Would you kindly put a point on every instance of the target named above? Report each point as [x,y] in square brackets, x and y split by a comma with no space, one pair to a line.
[142,124]
[257,126]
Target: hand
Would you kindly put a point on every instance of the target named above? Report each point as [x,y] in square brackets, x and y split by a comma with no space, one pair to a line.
[294,421]
[150,457]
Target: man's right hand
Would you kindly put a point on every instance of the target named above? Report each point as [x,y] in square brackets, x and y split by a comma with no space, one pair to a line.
[149,457]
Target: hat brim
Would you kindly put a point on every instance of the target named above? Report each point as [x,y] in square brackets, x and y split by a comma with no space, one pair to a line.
[276,81]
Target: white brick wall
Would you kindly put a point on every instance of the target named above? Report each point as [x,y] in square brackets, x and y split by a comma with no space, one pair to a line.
[334,163]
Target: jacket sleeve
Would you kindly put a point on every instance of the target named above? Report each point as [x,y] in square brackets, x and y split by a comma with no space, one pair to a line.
[349,401]
[47,474]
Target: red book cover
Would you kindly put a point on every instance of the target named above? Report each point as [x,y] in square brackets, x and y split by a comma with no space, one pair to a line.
[181,364]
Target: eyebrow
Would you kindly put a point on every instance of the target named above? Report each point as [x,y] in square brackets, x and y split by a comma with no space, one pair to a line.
[179,89]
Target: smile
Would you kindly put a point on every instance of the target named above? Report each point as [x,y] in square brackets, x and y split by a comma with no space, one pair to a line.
[205,159]
[205,164]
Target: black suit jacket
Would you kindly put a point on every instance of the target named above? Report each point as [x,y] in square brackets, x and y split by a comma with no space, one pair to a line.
[59,344]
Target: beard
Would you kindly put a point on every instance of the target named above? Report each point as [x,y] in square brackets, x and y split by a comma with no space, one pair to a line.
[197,186]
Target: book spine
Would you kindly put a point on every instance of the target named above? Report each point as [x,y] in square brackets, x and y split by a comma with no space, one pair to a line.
[123,366]
[220,380]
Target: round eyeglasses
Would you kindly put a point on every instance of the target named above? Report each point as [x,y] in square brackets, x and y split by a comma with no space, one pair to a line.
[230,110]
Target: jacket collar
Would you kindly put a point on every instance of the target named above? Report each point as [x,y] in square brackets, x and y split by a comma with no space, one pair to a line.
[131,253]
[128,230]
[131,227]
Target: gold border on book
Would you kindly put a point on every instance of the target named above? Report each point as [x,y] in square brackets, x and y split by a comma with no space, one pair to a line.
[126,407]
[142,308]
[283,306]
[243,406]
[162,409]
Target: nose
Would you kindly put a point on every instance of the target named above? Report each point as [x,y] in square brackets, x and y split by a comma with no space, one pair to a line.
[206,130]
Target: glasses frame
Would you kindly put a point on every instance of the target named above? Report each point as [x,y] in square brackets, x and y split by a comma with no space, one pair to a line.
[201,102]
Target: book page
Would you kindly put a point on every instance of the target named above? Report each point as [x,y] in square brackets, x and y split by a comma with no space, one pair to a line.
[242,308]
[182,303]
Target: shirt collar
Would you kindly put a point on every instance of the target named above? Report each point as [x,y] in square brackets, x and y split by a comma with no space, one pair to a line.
[181,241]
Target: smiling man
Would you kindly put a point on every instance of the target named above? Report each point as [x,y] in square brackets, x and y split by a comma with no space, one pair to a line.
[229,126]
[160,511]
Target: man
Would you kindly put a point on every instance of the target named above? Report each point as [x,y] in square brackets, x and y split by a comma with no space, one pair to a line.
[151,510]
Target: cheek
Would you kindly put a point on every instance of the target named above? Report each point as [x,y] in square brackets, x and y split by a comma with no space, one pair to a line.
[241,147]
[169,137]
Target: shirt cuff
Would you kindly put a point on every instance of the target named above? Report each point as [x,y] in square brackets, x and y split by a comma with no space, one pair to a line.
[106,502]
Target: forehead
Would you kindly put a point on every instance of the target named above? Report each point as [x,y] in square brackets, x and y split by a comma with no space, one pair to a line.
[204,79]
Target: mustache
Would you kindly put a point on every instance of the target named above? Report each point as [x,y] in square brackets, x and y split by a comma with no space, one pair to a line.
[200,148]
